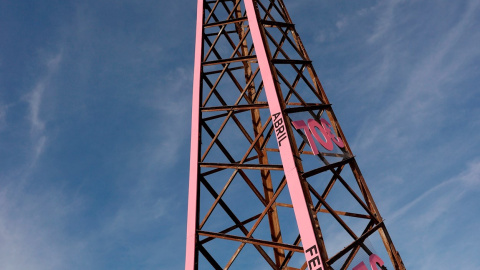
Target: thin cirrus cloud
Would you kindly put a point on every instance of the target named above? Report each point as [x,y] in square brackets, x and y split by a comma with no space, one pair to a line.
[426,90]
[419,124]
[385,20]
[34,99]
[31,230]
[452,191]
[441,219]
[31,221]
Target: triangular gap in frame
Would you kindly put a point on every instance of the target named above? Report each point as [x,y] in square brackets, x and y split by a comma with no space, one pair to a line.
[250,258]
[213,149]
[215,155]
[304,84]
[257,145]
[243,200]
[222,45]
[206,260]
[281,44]
[271,11]
[289,93]
[237,208]
[335,236]
[209,98]
[229,140]
[344,205]
[349,177]
[246,87]
[225,41]
[237,135]
[218,220]
[225,90]
[218,11]
[221,250]
[232,8]
[291,76]
[232,85]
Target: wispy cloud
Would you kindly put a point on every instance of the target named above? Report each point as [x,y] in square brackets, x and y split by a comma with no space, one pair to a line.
[150,204]
[426,89]
[451,190]
[31,229]
[30,222]
[440,220]
[386,19]
[172,101]
[34,99]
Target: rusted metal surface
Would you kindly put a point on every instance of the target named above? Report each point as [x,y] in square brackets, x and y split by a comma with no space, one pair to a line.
[261,189]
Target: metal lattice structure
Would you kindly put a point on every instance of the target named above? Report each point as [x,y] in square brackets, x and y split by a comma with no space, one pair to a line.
[273,181]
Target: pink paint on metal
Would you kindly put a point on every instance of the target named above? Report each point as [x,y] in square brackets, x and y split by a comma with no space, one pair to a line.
[327,143]
[300,124]
[374,259]
[194,144]
[327,133]
[324,127]
[302,215]
[360,266]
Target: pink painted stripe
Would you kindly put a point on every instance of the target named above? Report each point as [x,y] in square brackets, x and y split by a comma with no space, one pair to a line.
[194,144]
[302,214]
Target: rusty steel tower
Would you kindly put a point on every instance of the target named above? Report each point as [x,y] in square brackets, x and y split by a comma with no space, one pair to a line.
[273,181]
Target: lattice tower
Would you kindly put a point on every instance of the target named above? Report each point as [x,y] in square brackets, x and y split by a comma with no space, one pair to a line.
[273,181]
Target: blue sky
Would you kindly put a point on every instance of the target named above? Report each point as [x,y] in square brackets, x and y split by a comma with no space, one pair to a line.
[95,123]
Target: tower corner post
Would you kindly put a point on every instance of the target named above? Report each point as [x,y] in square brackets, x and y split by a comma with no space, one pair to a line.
[191,255]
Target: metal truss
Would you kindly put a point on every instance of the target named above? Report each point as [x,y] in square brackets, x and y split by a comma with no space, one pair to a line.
[273,181]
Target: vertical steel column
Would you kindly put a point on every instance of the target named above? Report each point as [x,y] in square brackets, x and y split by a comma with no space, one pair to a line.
[192,218]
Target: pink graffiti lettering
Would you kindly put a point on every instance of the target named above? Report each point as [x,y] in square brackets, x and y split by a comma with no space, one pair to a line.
[326,138]
[374,259]
[360,266]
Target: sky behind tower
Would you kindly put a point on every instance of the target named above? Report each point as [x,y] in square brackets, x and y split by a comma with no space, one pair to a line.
[95,123]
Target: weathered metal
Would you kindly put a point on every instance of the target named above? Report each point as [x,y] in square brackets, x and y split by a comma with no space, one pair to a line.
[268,156]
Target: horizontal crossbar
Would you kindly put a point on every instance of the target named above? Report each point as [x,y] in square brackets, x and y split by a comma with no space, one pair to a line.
[242,166]
[225,22]
[235,108]
[230,60]
[327,167]
[251,241]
